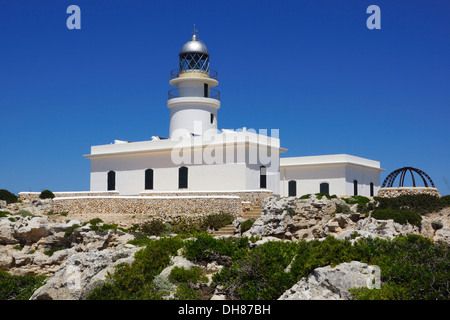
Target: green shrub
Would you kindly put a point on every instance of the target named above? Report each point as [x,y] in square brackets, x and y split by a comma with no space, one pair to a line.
[315,253]
[305,196]
[181,275]
[218,220]
[260,274]
[46,194]
[4,214]
[135,281]
[8,196]
[399,216]
[154,228]
[412,268]
[187,226]
[69,231]
[206,248]
[51,251]
[247,224]
[25,213]
[360,200]
[185,292]
[18,287]
[420,203]
[445,200]
[326,195]
[342,208]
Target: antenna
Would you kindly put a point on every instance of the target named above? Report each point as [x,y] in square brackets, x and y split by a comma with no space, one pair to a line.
[194,31]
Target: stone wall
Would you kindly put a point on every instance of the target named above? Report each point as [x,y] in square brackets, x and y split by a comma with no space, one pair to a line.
[255,197]
[395,192]
[161,205]
[35,195]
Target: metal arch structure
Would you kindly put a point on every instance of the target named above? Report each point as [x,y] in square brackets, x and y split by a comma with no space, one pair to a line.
[389,181]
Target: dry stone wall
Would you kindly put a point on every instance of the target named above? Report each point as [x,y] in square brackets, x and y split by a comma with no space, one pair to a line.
[149,205]
[35,195]
[255,197]
[395,192]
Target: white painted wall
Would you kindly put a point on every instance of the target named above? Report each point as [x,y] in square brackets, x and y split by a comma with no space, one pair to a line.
[192,118]
[309,179]
[338,170]
[364,178]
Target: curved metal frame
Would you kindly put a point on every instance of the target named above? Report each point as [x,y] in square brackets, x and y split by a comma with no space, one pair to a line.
[389,181]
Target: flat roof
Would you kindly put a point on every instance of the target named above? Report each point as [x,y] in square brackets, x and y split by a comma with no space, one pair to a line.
[224,138]
[332,159]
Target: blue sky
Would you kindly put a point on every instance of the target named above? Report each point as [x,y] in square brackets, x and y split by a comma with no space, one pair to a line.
[311,69]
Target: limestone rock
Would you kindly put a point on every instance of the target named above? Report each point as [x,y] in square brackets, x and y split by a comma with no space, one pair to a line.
[7,232]
[81,273]
[329,283]
[33,230]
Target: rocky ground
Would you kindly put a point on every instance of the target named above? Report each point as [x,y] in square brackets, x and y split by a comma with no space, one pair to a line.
[292,218]
[39,244]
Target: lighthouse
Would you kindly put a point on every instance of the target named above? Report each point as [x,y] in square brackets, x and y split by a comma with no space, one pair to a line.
[193,103]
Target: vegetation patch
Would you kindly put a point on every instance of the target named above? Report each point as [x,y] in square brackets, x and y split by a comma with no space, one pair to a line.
[247,224]
[46,194]
[136,281]
[18,287]
[420,203]
[8,196]
[412,267]
[399,216]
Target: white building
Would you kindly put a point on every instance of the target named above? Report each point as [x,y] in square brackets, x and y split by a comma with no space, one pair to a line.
[339,174]
[198,157]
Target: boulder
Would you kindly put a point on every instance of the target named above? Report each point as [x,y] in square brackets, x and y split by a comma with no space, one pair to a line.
[7,232]
[33,230]
[329,283]
[81,273]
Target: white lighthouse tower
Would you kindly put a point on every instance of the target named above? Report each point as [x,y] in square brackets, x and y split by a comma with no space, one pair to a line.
[193,104]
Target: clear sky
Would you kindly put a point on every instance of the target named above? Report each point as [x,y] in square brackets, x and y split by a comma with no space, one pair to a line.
[311,69]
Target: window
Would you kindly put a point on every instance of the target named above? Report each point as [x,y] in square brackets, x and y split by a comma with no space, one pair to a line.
[371,189]
[262,177]
[212,118]
[111,181]
[205,90]
[324,188]
[292,188]
[355,187]
[149,179]
[183,178]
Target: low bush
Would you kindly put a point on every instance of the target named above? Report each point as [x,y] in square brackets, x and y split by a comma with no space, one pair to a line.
[7,196]
[154,228]
[420,203]
[260,273]
[205,248]
[218,220]
[46,194]
[360,200]
[446,200]
[399,216]
[412,268]
[135,281]
[181,275]
[18,287]
[247,224]
[4,214]
[326,195]
[342,208]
